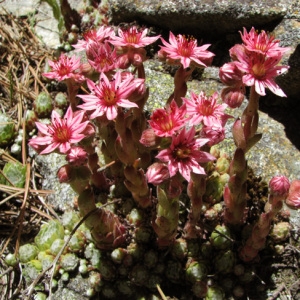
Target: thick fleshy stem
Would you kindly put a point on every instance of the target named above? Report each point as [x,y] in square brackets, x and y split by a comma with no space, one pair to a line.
[73,88]
[235,190]
[127,152]
[107,230]
[195,190]
[137,184]
[181,77]
[279,187]
[115,173]
[78,177]
[244,135]
[165,222]
[250,120]
[141,71]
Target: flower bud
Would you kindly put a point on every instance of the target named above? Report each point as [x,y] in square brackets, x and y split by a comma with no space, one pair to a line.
[233,96]
[124,62]
[76,156]
[138,57]
[235,49]
[157,173]
[149,138]
[215,134]
[230,74]
[279,185]
[293,198]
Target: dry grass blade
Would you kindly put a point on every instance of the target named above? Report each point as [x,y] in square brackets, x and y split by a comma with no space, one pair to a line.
[161,292]
[22,61]
[11,189]
[22,57]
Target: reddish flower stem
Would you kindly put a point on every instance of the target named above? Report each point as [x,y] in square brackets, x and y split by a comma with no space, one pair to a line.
[235,192]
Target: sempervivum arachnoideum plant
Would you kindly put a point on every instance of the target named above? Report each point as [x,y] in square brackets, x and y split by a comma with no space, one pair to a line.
[162,206]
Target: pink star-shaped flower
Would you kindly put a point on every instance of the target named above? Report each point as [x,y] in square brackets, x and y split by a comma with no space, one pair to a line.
[260,71]
[64,68]
[262,43]
[108,95]
[61,133]
[165,122]
[103,58]
[132,37]
[93,37]
[206,110]
[185,50]
[184,154]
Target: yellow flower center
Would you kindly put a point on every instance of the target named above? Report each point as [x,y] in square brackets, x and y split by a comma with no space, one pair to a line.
[182,153]
[186,45]
[205,109]
[132,36]
[259,70]
[62,134]
[64,70]
[109,96]
[165,122]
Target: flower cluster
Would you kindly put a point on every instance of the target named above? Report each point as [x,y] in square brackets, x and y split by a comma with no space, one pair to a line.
[254,63]
[178,125]
[111,146]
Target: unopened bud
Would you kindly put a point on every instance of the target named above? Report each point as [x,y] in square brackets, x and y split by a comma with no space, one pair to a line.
[76,156]
[157,173]
[233,96]
[149,138]
[279,185]
[230,74]
[65,174]
[293,198]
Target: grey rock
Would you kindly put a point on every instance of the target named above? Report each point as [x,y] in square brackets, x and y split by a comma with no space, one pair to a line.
[19,7]
[201,16]
[288,32]
[63,195]
[75,289]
